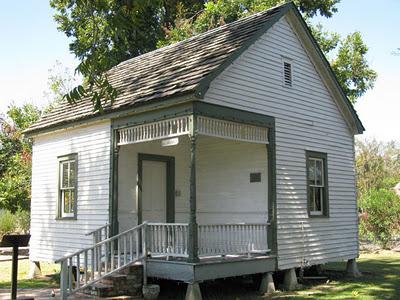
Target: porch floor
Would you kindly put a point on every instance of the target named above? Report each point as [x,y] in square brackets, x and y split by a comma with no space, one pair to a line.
[210,267]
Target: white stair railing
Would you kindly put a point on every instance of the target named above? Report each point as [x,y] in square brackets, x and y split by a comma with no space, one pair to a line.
[87,266]
[100,234]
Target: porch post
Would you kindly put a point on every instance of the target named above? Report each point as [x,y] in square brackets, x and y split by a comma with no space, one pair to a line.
[193,237]
[114,183]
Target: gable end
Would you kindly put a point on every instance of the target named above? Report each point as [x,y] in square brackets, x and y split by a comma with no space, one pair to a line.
[319,60]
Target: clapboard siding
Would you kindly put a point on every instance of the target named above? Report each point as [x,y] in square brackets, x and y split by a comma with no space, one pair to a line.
[307,118]
[52,239]
[223,182]
[223,168]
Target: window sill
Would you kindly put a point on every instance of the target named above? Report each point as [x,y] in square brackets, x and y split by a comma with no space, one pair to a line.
[66,218]
[318,216]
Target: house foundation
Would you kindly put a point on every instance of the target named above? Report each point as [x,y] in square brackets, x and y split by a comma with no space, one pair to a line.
[352,269]
[267,285]
[193,292]
[290,280]
[34,270]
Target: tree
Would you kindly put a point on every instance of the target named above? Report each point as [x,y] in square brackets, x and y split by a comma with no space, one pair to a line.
[15,157]
[348,55]
[60,81]
[377,165]
[378,171]
[107,32]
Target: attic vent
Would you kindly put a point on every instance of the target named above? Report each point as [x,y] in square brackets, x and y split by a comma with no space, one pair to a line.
[287,73]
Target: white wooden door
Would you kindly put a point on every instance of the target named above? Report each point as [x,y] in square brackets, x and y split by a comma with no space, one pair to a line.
[154,191]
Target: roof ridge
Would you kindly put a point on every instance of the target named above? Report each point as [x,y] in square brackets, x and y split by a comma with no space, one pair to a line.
[181,68]
[202,34]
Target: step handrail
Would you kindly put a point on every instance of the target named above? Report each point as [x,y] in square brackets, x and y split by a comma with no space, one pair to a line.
[101,243]
[98,229]
[99,260]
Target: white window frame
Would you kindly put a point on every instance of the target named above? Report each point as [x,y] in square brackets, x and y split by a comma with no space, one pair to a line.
[315,186]
[63,161]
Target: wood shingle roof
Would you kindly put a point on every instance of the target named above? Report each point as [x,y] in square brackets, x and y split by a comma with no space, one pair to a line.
[171,71]
[184,69]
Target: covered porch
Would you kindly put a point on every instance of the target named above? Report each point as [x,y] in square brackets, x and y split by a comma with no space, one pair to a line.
[202,177]
[192,198]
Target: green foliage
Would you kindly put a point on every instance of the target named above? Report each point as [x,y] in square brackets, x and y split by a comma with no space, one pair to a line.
[351,67]
[378,172]
[220,12]
[15,184]
[348,55]
[60,81]
[377,165]
[23,220]
[380,220]
[15,157]
[8,222]
[107,32]
[11,223]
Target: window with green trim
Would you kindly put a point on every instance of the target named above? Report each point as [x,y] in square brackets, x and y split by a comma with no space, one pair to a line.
[317,184]
[67,187]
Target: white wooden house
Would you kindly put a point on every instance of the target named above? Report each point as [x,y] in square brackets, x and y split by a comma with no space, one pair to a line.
[238,142]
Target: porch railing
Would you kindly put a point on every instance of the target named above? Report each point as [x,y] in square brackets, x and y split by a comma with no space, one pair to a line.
[241,238]
[87,266]
[168,239]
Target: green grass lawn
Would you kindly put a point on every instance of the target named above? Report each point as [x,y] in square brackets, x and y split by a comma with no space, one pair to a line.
[380,280]
[49,279]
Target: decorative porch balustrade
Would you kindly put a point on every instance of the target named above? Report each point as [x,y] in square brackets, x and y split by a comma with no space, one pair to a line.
[168,239]
[110,255]
[224,239]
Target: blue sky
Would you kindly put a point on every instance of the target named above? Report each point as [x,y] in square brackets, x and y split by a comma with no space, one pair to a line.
[31,45]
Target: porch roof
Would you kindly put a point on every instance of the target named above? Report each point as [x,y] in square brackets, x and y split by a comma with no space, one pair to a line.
[180,69]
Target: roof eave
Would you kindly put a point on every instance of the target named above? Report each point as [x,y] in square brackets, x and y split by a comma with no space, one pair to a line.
[357,122]
[140,107]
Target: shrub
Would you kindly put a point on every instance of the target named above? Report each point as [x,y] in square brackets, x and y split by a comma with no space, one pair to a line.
[23,220]
[14,223]
[8,222]
[380,220]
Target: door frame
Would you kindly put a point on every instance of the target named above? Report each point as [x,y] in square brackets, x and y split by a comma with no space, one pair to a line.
[170,190]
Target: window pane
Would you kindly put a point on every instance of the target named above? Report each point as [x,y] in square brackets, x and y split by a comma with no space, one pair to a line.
[72,174]
[311,171]
[319,172]
[311,199]
[318,199]
[66,196]
[72,200]
[64,175]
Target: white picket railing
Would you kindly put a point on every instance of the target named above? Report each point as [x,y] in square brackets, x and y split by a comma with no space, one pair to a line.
[85,267]
[168,239]
[241,238]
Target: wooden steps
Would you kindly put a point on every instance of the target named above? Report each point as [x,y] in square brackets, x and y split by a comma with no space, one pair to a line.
[127,284]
